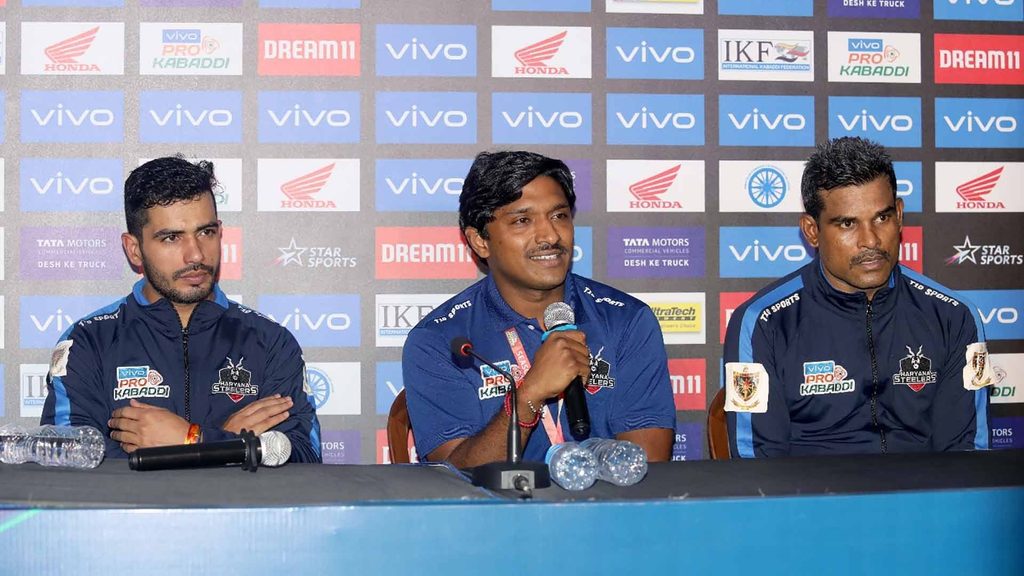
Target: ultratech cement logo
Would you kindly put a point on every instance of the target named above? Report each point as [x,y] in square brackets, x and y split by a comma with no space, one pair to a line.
[874,57]
[655,186]
[978,59]
[967,187]
[680,315]
[766,55]
[307,185]
[63,48]
[984,254]
[540,52]
[825,377]
[309,49]
[205,49]
[139,382]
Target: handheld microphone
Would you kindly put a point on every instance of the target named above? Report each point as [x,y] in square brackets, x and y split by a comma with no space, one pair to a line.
[559,316]
[269,449]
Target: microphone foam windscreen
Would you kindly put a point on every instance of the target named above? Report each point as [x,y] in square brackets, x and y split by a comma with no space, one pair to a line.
[275,448]
[558,314]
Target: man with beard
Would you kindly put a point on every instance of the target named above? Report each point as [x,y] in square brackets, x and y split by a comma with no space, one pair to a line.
[853,352]
[176,362]
[516,212]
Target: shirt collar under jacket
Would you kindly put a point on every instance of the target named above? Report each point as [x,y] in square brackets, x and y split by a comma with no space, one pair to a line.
[165,318]
[856,302]
[503,316]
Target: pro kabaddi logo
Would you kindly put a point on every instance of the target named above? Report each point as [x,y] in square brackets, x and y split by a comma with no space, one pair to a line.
[649,190]
[235,381]
[534,58]
[825,377]
[301,191]
[493,383]
[139,382]
[915,370]
[64,54]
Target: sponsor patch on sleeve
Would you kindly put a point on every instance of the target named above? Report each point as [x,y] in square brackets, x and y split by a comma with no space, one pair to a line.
[59,358]
[746,387]
[978,371]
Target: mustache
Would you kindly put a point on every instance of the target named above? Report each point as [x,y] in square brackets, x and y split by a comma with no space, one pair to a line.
[871,255]
[194,268]
[547,247]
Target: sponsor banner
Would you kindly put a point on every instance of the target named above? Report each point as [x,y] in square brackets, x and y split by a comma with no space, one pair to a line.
[191,3]
[655,185]
[334,388]
[419,253]
[978,59]
[75,3]
[315,256]
[541,118]
[43,319]
[193,49]
[978,187]
[228,191]
[420,184]
[72,116]
[308,49]
[1007,432]
[875,8]
[991,10]
[307,185]
[681,315]
[582,177]
[71,185]
[874,57]
[426,117]
[540,5]
[230,253]
[766,8]
[540,52]
[655,252]
[654,6]
[1000,311]
[397,314]
[727,304]
[689,379]
[760,186]
[190,116]
[582,251]
[384,451]
[765,120]
[890,121]
[32,389]
[1008,386]
[329,320]
[779,55]
[911,252]
[689,442]
[340,447]
[309,117]
[909,185]
[979,122]
[655,53]
[656,119]
[69,48]
[426,50]
[980,252]
[389,384]
[760,251]
[71,253]
[309,3]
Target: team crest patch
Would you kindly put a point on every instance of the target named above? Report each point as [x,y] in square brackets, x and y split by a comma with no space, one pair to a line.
[493,383]
[826,377]
[235,381]
[978,370]
[140,382]
[59,358]
[746,387]
[915,370]
[600,374]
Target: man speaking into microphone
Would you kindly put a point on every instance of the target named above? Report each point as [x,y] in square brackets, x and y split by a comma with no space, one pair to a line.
[516,213]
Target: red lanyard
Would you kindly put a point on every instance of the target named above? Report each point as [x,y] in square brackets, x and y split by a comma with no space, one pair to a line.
[552,424]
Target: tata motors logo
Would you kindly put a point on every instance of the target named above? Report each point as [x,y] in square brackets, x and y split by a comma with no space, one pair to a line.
[307,185]
[43,319]
[681,315]
[655,185]
[655,252]
[315,320]
[759,186]
[979,122]
[760,252]
[655,53]
[654,6]
[785,55]
[890,121]
[967,187]
[426,117]
[426,50]
[766,120]
[62,48]
[875,8]
[541,118]
[71,185]
[1008,432]
[206,49]
[655,119]
[874,57]
[992,10]
[1001,311]
[689,382]
[74,117]
[419,185]
[340,446]
[397,314]
[309,50]
[71,253]
[309,117]
[982,254]
[211,117]
[540,52]
[978,59]
[335,389]
[422,253]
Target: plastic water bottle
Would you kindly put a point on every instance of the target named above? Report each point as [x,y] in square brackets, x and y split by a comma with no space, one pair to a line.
[572,466]
[618,461]
[49,445]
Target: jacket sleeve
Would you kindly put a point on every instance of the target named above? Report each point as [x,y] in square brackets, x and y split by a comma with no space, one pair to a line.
[959,415]
[642,365]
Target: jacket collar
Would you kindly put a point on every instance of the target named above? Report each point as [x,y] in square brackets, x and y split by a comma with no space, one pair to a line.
[162,315]
[856,302]
[503,316]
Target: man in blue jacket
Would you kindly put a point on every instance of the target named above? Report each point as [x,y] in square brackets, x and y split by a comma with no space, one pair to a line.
[175,361]
[854,352]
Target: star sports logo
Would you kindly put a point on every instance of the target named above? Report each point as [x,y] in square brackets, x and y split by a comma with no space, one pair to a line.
[313,256]
[649,190]
[64,54]
[990,254]
[974,191]
[534,58]
[301,191]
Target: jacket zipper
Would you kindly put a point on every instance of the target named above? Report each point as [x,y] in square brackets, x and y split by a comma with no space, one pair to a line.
[188,379]
[874,380]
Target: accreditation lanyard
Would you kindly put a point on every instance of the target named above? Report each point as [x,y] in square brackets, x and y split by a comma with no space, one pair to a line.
[552,424]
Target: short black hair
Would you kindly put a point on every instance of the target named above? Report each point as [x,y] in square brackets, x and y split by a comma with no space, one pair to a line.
[162,182]
[846,161]
[496,179]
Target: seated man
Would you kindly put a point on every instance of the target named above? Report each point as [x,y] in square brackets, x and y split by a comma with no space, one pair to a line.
[175,361]
[516,211]
[853,352]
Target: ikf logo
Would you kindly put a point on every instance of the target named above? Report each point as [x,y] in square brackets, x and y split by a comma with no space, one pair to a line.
[425,50]
[759,186]
[656,119]
[874,57]
[655,252]
[655,185]
[582,259]
[309,50]
[71,184]
[309,117]
[426,117]
[307,185]
[656,53]
[540,5]
[230,253]
[32,383]
[67,48]
[689,378]
[315,320]
[187,116]
[389,384]
[1000,311]
[911,252]
[72,117]
[968,187]
[540,52]
[979,122]
[208,49]
[890,121]
[43,319]
[419,253]
[877,8]
[340,447]
[420,185]
[978,59]
[654,6]
[680,315]
[71,253]
[760,251]
[397,314]
[781,55]
[541,118]
[1008,386]
[766,8]
[228,191]
[334,388]
[766,120]
[728,303]
[908,185]
[991,10]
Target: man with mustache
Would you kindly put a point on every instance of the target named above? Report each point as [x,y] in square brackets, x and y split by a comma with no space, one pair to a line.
[853,352]
[176,362]
[516,212]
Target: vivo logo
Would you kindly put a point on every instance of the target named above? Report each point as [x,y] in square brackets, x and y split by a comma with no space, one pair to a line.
[426,117]
[58,320]
[982,2]
[70,184]
[645,119]
[415,184]
[970,122]
[766,120]
[182,117]
[541,117]
[979,122]
[60,184]
[71,116]
[61,116]
[531,118]
[892,121]
[647,53]
[182,36]
[315,320]
[758,252]
[414,118]
[416,50]
[297,321]
[419,185]
[865,45]
[1004,315]
[865,122]
[298,116]
[1000,311]
[425,50]
[758,120]
[43,319]
[309,117]
[655,53]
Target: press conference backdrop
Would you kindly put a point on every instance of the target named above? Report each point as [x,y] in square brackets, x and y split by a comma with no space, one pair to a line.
[341,131]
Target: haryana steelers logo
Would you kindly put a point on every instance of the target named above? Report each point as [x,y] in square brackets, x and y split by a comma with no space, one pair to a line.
[767,186]
[317,386]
